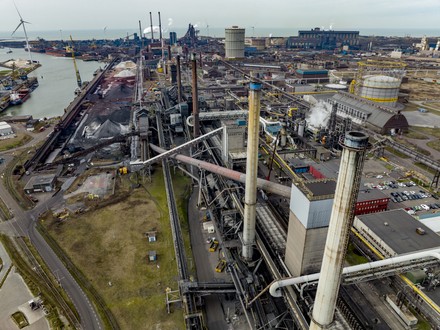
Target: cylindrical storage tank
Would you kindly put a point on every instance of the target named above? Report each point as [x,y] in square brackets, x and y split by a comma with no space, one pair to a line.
[301,128]
[283,137]
[382,89]
[234,42]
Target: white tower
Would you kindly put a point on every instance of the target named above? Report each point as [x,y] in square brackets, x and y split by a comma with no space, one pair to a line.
[341,219]
[234,43]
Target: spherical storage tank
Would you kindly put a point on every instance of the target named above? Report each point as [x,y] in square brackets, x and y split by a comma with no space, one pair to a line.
[234,42]
[382,89]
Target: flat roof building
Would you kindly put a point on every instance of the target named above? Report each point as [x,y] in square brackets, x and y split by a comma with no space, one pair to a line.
[395,232]
[40,183]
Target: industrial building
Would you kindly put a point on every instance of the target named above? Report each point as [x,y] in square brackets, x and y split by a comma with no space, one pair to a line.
[324,39]
[395,232]
[40,183]
[234,43]
[371,201]
[310,207]
[380,118]
[5,129]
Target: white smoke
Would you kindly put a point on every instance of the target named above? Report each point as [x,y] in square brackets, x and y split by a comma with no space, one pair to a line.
[319,115]
[170,21]
[270,35]
[148,29]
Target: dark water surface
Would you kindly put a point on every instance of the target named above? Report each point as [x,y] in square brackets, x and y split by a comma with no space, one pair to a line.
[57,81]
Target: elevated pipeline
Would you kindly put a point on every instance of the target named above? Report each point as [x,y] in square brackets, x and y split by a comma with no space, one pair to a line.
[272,187]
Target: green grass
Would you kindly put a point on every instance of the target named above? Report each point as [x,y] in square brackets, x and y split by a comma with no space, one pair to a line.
[353,257]
[435,132]
[5,214]
[13,143]
[435,144]
[413,134]
[109,247]
[12,183]
[20,319]
[396,153]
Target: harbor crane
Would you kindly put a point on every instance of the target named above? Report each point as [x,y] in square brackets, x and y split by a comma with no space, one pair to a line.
[78,77]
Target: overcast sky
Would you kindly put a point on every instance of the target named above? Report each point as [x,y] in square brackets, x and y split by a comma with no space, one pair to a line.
[97,14]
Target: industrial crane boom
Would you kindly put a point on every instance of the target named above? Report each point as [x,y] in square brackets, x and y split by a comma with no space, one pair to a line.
[78,77]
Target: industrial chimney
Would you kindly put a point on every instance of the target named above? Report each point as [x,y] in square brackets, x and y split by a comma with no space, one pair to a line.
[195,96]
[341,219]
[151,27]
[250,197]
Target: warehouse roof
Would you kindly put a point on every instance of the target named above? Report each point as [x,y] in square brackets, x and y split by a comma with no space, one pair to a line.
[398,230]
[321,187]
[377,115]
[370,194]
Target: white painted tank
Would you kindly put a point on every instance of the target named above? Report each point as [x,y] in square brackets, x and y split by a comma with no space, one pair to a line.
[301,128]
[381,89]
[234,42]
[283,137]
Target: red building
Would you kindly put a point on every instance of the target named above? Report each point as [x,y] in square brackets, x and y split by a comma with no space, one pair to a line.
[371,201]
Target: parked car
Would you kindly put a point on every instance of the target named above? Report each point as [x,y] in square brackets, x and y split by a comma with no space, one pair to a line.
[424,206]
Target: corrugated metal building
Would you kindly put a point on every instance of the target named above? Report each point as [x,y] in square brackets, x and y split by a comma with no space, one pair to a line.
[382,119]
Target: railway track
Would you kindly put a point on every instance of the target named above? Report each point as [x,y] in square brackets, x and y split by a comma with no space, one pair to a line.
[193,318]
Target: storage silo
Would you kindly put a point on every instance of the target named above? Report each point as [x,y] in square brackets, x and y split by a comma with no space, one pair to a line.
[234,42]
[379,81]
[382,89]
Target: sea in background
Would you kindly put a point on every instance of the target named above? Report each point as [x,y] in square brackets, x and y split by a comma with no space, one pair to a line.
[109,33]
[57,83]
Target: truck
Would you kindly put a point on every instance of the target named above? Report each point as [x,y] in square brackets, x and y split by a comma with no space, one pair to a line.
[214,245]
[220,266]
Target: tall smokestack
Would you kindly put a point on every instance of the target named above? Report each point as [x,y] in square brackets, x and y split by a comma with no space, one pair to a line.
[250,197]
[161,41]
[179,80]
[160,27]
[341,219]
[195,96]
[151,27]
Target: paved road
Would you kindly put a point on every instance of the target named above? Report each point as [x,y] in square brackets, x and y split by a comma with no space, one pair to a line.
[24,224]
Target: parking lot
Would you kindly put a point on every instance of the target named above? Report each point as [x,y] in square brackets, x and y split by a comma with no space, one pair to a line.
[407,195]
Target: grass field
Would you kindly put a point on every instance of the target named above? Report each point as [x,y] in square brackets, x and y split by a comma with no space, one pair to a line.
[110,247]
[435,132]
[15,142]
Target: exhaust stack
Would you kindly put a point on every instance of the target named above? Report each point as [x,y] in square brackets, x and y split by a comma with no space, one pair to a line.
[250,197]
[347,188]
[195,96]
[151,27]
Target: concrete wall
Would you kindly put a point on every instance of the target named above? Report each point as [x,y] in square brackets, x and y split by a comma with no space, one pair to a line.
[304,248]
[372,238]
[312,214]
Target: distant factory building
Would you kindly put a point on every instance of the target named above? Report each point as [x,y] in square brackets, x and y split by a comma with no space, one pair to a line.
[40,183]
[173,38]
[234,43]
[5,128]
[313,76]
[324,39]
[395,232]
[380,118]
